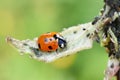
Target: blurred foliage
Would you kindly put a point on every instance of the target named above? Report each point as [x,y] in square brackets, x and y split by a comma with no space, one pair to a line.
[24,19]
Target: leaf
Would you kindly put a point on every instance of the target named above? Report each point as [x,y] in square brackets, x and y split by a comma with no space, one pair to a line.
[78,38]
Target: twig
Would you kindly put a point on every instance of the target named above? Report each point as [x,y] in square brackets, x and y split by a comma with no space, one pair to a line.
[112,68]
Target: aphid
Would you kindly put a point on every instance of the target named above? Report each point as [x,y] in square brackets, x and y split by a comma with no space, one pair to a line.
[51,42]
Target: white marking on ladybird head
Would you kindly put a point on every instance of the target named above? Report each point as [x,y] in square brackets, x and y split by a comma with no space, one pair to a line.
[62,45]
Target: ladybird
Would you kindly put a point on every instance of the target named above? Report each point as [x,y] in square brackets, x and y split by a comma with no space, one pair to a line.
[51,42]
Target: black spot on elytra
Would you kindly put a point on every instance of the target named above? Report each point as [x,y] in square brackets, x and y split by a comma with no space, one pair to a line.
[50,47]
[46,40]
[39,46]
[50,39]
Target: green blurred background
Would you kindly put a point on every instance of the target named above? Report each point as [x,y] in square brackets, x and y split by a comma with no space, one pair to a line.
[24,19]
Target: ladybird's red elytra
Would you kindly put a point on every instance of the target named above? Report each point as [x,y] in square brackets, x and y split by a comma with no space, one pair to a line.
[51,42]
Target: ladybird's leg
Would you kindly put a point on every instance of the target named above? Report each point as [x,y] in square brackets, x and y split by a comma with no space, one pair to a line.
[57,51]
[49,51]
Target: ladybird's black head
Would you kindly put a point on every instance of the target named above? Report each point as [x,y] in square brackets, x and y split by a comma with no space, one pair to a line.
[62,43]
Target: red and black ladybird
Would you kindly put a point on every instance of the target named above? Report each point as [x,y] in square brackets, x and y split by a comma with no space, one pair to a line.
[51,42]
